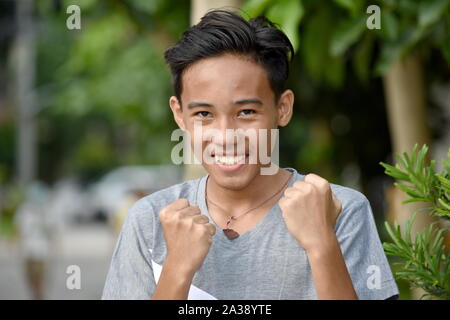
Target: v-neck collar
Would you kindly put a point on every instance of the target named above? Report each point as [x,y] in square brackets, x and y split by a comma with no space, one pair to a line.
[220,237]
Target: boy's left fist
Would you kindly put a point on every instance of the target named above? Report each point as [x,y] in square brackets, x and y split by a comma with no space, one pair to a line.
[310,210]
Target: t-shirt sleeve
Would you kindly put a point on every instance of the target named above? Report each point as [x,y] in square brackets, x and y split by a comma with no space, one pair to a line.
[363,252]
[130,275]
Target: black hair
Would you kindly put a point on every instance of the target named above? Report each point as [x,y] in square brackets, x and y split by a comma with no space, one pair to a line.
[221,31]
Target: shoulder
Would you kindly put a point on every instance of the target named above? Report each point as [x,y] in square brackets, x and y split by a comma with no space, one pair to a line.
[350,198]
[356,216]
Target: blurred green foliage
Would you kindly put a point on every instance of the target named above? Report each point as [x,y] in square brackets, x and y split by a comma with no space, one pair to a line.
[11,197]
[328,33]
[339,94]
[103,90]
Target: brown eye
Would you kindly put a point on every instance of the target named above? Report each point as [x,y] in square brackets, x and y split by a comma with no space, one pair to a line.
[246,112]
[203,114]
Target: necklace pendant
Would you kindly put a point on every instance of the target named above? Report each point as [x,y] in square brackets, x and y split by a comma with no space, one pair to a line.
[230,233]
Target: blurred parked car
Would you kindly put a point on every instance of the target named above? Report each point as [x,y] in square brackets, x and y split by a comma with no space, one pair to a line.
[107,196]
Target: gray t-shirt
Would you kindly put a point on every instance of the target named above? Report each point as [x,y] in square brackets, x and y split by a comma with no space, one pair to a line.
[265,262]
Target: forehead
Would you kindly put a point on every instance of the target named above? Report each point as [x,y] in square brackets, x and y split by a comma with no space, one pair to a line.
[225,77]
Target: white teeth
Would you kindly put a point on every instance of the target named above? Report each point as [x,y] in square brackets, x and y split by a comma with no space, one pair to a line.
[229,160]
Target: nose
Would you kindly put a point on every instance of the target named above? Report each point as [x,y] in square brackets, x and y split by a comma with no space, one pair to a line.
[224,136]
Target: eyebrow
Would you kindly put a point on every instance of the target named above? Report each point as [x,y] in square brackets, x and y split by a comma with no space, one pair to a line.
[193,105]
[249,101]
[199,104]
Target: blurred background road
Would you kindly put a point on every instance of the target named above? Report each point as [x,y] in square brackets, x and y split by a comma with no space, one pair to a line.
[55,228]
[90,247]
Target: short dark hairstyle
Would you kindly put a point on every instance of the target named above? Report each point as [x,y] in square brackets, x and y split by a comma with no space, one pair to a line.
[221,31]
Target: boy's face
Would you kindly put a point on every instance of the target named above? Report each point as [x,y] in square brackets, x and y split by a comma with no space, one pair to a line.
[229,92]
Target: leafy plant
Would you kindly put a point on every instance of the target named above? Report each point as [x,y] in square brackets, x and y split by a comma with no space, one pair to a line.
[425,258]
[406,26]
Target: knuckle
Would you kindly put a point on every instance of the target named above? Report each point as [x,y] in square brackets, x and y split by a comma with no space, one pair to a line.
[289,191]
[193,208]
[185,213]
[311,176]
[179,222]
[164,215]
[324,184]
[182,202]
[308,188]
[316,180]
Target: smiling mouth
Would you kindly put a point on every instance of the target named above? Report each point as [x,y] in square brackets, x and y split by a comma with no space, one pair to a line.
[230,160]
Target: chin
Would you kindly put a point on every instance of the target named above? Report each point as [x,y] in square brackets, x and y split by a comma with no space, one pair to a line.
[233,178]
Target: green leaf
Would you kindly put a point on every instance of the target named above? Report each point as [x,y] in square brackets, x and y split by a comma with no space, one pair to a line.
[415,200]
[438,240]
[335,71]
[391,232]
[395,172]
[255,8]
[393,51]
[148,7]
[444,204]
[389,26]
[288,14]
[443,180]
[389,53]
[409,225]
[346,34]
[397,237]
[408,190]
[83,4]
[353,6]
[431,11]
[362,59]
[315,49]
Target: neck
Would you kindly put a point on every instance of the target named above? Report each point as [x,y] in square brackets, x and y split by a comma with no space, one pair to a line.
[259,189]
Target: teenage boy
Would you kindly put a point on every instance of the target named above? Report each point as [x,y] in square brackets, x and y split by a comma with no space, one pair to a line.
[237,233]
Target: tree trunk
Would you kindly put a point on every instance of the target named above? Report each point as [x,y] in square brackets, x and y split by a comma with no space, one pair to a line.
[24,91]
[198,9]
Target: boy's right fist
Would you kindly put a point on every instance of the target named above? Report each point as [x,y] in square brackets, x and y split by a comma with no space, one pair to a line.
[188,235]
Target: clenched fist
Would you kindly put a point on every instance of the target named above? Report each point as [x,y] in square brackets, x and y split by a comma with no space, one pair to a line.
[188,235]
[310,211]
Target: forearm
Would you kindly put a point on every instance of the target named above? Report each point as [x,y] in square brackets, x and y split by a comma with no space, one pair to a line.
[173,283]
[331,278]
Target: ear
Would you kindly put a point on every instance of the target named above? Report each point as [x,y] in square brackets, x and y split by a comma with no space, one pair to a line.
[175,105]
[285,107]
